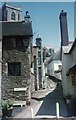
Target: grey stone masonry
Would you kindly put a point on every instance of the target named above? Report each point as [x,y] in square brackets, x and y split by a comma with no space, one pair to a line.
[11,12]
[16,54]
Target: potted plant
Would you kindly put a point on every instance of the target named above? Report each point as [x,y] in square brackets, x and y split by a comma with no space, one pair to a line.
[7,107]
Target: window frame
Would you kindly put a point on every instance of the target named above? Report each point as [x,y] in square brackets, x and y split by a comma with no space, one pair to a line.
[14,68]
[13,16]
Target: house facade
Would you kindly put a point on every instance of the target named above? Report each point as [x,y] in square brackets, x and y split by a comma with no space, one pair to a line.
[69,70]
[16,78]
[16,57]
[68,51]
[54,65]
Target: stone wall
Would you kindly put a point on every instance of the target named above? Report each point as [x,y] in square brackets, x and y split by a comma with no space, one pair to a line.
[32,83]
[7,11]
[10,55]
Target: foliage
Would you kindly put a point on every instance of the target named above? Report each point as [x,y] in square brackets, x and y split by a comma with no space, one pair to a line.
[7,104]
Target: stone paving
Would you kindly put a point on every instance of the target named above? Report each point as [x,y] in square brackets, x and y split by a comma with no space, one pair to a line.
[44,106]
[48,106]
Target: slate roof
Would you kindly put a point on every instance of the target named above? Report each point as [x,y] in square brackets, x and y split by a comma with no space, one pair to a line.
[69,48]
[55,56]
[73,46]
[66,48]
[16,28]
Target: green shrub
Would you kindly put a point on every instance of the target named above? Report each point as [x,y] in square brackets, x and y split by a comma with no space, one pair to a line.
[7,107]
[7,104]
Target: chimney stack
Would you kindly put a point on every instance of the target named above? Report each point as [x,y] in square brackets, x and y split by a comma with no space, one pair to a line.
[63,28]
[27,17]
[26,12]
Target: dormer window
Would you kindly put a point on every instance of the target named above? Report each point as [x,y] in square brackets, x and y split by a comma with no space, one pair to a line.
[13,16]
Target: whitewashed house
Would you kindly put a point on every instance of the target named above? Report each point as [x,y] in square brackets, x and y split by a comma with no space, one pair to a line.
[54,65]
[68,56]
[69,69]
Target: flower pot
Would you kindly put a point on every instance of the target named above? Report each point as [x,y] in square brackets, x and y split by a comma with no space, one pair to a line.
[6,112]
[9,113]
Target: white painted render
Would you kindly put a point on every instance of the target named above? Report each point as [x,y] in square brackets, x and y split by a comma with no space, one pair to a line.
[68,60]
[74,56]
[0,66]
[51,68]
[54,66]
[57,63]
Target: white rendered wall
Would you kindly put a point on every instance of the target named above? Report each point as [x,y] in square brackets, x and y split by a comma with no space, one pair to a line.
[66,63]
[56,67]
[51,68]
[0,67]
[74,56]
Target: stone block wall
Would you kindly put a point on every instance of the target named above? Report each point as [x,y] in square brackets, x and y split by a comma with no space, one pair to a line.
[9,82]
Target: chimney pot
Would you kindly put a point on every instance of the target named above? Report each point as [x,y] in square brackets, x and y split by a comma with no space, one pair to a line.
[26,12]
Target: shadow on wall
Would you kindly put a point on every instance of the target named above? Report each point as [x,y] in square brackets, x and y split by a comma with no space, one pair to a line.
[54,79]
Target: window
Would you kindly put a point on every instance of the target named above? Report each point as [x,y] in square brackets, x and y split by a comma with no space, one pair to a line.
[19,43]
[40,76]
[39,58]
[14,69]
[13,16]
[13,41]
[40,73]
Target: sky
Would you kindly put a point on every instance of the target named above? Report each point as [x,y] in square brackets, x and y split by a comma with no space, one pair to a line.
[45,20]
